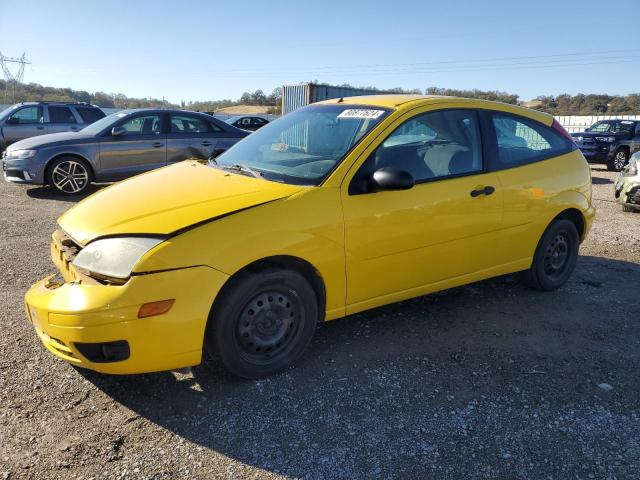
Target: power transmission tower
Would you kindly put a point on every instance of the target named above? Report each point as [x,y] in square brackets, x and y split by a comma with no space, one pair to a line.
[10,77]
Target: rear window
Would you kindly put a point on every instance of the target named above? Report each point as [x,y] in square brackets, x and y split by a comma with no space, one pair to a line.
[90,115]
[521,141]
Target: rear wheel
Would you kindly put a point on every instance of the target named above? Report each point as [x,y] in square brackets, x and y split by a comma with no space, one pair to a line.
[69,175]
[555,257]
[619,160]
[264,322]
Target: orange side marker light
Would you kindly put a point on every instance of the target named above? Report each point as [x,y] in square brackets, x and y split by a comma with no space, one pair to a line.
[155,308]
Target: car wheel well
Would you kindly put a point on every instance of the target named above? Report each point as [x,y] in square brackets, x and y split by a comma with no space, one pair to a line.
[68,155]
[625,148]
[575,216]
[282,262]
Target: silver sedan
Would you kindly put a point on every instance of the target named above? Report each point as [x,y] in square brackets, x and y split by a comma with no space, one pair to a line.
[118,146]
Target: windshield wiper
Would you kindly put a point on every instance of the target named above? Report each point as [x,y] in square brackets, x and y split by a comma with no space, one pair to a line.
[242,169]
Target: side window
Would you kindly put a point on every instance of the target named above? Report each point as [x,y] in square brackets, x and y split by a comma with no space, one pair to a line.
[188,124]
[28,115]
[521,141]
[90,115]
[61,115]
[637,132]
[144,125]
[246,122]
[433,145]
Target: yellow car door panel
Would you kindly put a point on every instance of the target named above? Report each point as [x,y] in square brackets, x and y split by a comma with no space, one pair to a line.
[443,227]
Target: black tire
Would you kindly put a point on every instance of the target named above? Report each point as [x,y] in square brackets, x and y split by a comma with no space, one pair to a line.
[263,323]
[555,257]
[628,209]
[73,180]
[619,160]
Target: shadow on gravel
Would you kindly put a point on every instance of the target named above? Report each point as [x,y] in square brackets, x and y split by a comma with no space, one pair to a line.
[46,193]
[600,181]
[489,380]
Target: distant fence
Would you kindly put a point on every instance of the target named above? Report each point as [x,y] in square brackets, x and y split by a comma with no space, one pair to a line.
[578,123]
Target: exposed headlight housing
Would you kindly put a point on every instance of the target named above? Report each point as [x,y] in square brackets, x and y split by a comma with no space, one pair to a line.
[606,139]
[20,154]
[113,258]
[631,169]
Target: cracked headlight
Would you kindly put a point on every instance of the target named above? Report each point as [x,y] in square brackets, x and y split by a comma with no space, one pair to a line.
[114,257]
[20,154]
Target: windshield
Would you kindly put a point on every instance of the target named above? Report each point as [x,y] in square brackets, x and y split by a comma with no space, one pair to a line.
[303,147]
[5,113]
[100,125]
[618,126]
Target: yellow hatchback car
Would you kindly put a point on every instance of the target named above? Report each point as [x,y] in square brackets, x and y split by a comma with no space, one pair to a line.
[336,208]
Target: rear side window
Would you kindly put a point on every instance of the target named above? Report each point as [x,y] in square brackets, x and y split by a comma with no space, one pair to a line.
[188,124]
[90,115]
[61,115]
[521,141]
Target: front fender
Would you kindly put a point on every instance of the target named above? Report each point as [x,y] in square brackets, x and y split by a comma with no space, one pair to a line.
[307,225]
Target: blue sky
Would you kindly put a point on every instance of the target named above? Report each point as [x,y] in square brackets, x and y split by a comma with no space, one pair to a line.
[205,50]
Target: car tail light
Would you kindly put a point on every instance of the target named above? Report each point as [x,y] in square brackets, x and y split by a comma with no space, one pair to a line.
[560,129]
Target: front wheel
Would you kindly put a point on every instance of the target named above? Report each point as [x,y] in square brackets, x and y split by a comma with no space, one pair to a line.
[69,176]
[619,160]
[555,257]
[263,323]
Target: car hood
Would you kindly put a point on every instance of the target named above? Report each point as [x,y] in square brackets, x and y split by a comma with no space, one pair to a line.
[167,200]
[50,139]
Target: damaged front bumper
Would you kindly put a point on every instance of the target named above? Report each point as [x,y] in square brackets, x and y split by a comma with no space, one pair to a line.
[96,326]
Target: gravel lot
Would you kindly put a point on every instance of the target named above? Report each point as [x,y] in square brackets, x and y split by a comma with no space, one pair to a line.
[486,381]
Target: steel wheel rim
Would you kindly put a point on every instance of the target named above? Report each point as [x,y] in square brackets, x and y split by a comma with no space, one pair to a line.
[556,255]
[268,324]
[620,160]
[70,176]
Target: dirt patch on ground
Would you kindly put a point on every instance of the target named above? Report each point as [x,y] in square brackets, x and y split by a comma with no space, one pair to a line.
[245,109]
[490,380]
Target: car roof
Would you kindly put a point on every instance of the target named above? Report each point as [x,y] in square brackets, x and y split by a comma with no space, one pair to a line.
[83,104]
[129,111]
[408,102]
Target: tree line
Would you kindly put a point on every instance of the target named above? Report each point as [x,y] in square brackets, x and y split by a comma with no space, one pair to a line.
[564,104]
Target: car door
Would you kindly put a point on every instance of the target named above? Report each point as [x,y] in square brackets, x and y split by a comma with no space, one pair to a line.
[401,243]
[191,136]
[524,155]
[61,119]
[140,145]
[25,122]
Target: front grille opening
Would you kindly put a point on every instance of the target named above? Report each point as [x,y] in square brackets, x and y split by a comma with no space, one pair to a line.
[105,352]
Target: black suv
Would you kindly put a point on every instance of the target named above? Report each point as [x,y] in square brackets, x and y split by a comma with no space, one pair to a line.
[24,120]
[610,141]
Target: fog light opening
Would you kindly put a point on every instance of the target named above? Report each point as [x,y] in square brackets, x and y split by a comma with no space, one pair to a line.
[155,308]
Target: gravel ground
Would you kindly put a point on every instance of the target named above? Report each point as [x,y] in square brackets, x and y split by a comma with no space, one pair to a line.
[489,380]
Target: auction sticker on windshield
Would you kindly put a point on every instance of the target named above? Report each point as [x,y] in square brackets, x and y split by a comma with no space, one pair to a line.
[361,113]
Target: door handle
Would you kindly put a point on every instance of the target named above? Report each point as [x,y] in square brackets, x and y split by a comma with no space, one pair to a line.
[488,190]
[206,144]
[157,144]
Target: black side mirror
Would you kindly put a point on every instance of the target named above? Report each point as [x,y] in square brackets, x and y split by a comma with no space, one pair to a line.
[13,121]
[389,178]
[117,131]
